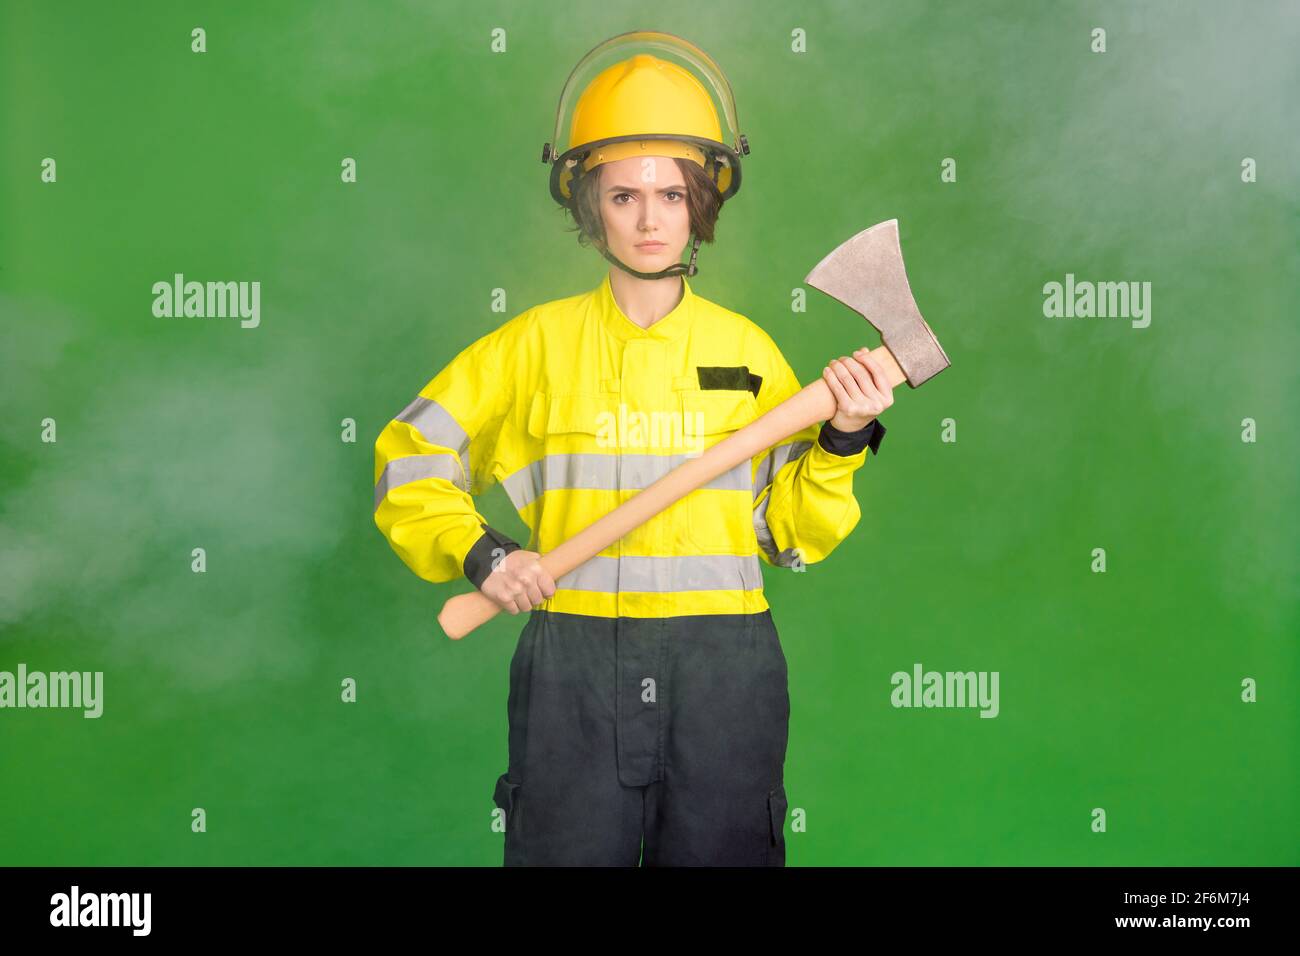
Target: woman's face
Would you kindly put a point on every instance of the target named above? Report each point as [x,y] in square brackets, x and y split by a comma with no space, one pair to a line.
[643,201]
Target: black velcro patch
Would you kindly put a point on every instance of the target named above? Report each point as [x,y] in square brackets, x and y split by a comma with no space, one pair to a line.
[734,376]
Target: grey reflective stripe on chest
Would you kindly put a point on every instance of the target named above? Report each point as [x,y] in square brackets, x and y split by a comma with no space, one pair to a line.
[606,472]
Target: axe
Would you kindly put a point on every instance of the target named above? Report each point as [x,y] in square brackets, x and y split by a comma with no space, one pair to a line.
[866,273]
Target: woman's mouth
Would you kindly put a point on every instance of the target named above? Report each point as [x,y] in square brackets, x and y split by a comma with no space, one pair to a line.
[650,246]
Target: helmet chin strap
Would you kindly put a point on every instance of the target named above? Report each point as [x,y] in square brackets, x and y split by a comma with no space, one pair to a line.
[676,269]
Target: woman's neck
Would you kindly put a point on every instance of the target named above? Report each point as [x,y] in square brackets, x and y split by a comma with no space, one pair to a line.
[645,301]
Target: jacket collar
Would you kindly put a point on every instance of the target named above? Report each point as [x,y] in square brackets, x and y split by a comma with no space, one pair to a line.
[671,326]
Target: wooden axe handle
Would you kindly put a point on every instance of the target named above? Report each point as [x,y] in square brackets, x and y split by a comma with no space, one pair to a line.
[814,403]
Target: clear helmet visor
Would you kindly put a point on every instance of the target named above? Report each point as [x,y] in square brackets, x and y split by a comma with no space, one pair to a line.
[648,92]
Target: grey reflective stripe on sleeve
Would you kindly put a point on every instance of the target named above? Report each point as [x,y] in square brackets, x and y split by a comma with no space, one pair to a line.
[776,460]
[784,559]
[607,472]
[435,424]
[401,471]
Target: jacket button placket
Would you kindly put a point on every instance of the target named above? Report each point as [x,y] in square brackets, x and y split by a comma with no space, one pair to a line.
[639,640]
[645,386]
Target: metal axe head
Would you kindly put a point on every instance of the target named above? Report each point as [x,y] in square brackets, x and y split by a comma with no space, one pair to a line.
[867,274]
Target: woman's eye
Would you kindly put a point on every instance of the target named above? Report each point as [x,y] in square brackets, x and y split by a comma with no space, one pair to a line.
[619,196]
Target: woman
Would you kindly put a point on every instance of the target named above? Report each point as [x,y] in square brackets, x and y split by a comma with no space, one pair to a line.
[648,704]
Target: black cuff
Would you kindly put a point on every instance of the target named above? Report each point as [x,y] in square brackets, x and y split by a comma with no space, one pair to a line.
[850,443]
[478,563]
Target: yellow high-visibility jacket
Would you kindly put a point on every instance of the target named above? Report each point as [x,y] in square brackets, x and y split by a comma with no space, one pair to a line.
[574,408]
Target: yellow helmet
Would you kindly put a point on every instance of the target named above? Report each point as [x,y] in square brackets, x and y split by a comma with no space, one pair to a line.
[646,93]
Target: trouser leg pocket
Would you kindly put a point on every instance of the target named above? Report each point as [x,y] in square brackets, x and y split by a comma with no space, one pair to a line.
[776,810]
[506,797]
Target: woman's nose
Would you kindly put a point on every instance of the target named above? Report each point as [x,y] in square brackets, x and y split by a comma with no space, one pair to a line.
[649,213]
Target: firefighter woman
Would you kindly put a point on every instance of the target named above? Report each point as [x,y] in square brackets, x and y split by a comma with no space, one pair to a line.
[648,706]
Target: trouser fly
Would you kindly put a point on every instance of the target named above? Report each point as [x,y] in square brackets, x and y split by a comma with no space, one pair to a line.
[651,741]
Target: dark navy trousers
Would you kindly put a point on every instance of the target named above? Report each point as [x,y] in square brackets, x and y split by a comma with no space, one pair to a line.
[646,741]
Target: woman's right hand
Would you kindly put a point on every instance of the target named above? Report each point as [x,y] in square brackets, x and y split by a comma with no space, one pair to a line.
[519,582]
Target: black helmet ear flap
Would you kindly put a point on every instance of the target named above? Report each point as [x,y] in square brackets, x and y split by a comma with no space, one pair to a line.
[713,169]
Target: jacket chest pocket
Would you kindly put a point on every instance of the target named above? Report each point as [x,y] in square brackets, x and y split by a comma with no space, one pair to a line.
[601,422]
[593,441]
[569,435]
[720,514]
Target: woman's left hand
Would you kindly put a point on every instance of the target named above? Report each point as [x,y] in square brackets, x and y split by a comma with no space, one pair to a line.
[861,389]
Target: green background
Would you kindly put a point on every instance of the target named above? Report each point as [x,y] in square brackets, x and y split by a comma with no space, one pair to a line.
[1118,690]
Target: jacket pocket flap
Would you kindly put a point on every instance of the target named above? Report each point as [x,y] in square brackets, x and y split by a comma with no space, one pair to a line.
[589,413]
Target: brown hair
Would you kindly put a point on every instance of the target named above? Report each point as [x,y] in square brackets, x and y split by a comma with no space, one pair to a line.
[702,200]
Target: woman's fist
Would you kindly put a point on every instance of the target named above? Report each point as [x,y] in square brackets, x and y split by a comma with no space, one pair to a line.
[519,582]
[861,389]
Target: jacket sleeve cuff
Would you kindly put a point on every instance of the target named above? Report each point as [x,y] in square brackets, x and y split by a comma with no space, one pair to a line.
[478,561]
[850,443]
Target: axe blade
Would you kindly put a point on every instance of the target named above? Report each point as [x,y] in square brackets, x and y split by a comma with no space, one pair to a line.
[867,274]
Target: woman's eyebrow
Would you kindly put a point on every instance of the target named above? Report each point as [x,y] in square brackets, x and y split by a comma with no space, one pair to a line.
[629,189]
